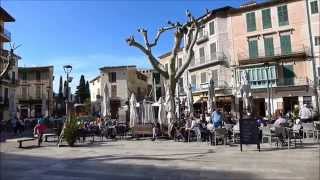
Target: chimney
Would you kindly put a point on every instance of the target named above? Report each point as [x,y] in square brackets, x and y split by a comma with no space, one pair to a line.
[248,3]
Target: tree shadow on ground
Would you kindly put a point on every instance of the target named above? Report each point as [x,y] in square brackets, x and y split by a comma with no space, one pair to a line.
[81,169]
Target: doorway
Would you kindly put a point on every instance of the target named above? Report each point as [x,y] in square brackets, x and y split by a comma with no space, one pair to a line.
[289,103]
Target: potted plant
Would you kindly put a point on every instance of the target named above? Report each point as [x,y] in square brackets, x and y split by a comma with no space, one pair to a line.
[71,131]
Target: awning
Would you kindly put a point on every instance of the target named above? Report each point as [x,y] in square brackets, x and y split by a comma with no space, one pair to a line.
[196,99]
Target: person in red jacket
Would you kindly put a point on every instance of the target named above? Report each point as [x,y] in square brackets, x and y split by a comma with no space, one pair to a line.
[39,130]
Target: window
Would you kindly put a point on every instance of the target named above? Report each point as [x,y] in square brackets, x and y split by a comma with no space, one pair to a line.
[213,51]
[268,46]
[38,92]
[201,32]
[211,28]
[156,77]
[285,42]
[38,76]
[6,93]
[24,92]
[266,18]
[112,77]
[180,84]
[166,67]
[307,100]
[283,15]
[203,77]
[201,53]
[215,76]
[1,97]
[251,21]
[24,76]
[288,75]
[13,76]
[179,62]
[194,81]
[253,48]
[192,62]
[317,40]
[114,90]
[314,7]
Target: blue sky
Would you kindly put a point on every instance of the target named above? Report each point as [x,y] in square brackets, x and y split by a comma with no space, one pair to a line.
[91,34]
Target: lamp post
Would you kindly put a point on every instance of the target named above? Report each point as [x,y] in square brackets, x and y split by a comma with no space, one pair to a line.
[268,90]
[67,69]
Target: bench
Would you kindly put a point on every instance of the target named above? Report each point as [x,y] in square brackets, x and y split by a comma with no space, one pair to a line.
[20,140]
[46,135]
[142,130]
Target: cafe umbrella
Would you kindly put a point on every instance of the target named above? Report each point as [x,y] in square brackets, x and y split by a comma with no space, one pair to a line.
[133,111]
[211,96]
[162,112]
[106,101]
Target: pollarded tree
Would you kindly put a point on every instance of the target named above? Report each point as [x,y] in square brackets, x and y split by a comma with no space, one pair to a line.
[6,63]
[190,31]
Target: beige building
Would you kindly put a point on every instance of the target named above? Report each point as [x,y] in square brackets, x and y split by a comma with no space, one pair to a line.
[270,41]
[9,82]
[211,60]
[122,81]
[35,91]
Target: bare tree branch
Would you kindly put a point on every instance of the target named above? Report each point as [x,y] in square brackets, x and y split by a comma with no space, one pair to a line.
[154,62]
[190,45]
[160,31]
[7,66]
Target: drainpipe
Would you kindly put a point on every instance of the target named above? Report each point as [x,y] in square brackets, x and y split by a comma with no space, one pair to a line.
[315,78]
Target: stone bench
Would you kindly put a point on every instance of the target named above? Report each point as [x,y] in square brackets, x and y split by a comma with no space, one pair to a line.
[46,135]
[24,139]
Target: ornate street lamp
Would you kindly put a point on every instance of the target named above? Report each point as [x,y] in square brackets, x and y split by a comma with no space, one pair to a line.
[67,69]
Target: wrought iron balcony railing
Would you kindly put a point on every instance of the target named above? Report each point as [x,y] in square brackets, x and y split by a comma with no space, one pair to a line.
[275,53]
[205,60]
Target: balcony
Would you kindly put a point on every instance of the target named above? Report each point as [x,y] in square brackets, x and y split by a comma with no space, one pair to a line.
[5,35]
[281,82]
[219,58]
[218,84]
[296,53]
[202,37]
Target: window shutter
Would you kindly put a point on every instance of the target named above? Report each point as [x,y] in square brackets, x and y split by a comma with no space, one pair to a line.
[285,42]
[314,7]
[251,21]
[283,15]
[253,49]
[266,18]
[213,49]
[201,53]
[211,28]
[203,77]
[268,46]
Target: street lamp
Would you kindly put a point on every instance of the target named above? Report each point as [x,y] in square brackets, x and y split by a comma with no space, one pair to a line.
[67,69]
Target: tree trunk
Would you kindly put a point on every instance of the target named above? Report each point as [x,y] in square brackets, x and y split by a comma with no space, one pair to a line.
[170,101]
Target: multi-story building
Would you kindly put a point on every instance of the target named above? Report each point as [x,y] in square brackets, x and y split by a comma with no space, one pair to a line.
[35,92]
[8,83]
[314,30]
[155,83]
[122,81]
[270,41]
[211,60]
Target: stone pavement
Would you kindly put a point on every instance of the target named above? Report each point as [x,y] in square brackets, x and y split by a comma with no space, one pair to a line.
[160,160]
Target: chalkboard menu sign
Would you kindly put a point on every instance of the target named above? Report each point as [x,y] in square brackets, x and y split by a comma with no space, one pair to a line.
[249,132]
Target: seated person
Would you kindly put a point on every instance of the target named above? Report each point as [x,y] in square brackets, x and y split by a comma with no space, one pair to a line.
[279,121]
[155,131]
[217,118]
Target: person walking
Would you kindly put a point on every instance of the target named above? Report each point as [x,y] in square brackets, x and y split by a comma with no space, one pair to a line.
[305,114]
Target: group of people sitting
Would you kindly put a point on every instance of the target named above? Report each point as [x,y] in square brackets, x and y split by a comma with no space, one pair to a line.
[200,127]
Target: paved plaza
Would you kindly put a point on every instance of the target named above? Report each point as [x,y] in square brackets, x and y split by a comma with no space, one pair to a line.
[144,159]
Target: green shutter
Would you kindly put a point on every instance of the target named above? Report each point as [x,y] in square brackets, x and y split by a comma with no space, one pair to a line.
[285,42]
[211,27]
[288,75]
[283,15]
[253,49]
[251,21]
[266,18]
[268,46]
[314,7]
